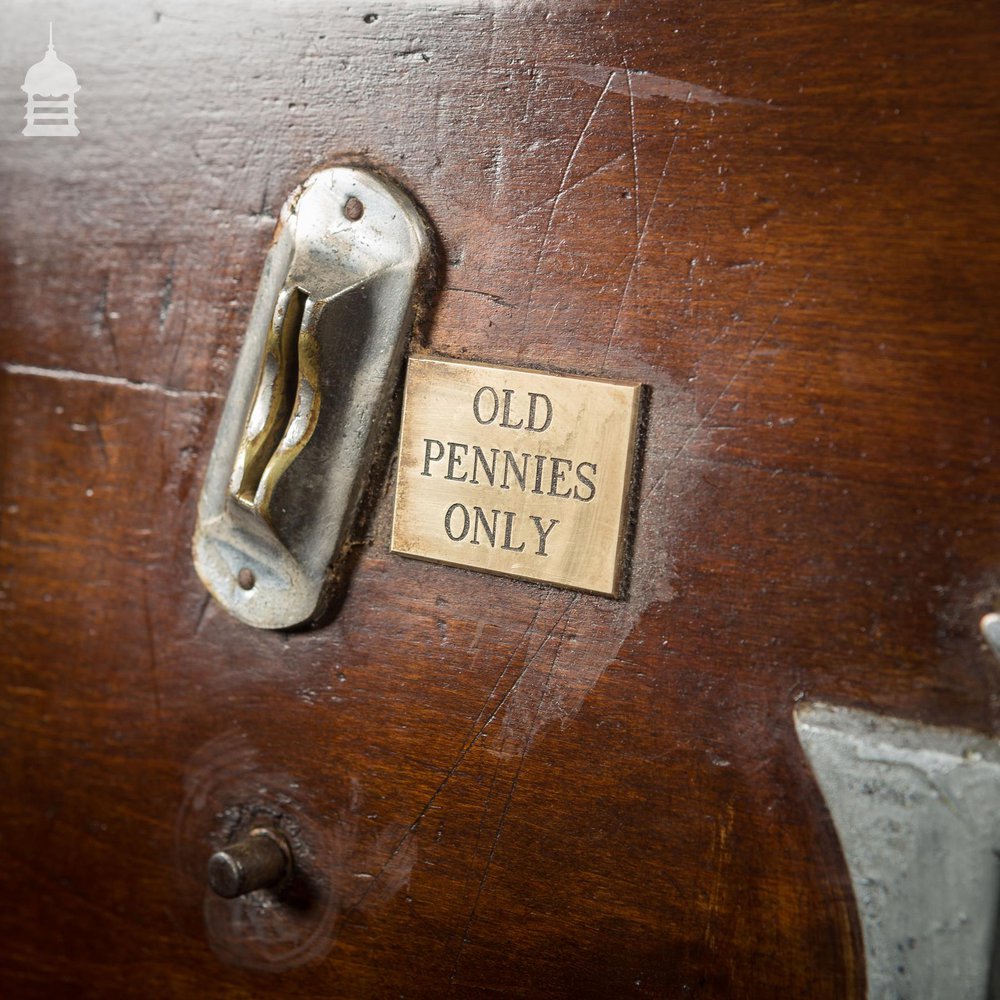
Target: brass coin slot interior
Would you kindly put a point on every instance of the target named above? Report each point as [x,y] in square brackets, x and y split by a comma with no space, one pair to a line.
[285,402]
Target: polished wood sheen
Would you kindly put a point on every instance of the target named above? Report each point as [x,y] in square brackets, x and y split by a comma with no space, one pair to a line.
[781,218]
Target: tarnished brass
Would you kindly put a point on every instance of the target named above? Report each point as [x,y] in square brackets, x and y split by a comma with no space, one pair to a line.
[521,473]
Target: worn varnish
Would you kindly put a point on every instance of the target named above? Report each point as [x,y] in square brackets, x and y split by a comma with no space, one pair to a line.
[779,217]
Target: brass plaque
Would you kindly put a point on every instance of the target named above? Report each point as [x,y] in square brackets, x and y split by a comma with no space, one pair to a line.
[516,472]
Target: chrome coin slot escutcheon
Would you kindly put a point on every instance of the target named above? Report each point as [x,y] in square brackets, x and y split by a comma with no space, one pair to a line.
[300,429]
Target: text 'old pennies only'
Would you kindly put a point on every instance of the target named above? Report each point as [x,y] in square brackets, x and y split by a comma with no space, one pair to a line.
[516,472]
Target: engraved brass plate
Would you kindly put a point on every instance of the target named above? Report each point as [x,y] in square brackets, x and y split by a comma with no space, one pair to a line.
[516,472]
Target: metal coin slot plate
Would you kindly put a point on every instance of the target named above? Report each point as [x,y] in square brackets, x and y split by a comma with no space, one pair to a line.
[320,361]
[521,473]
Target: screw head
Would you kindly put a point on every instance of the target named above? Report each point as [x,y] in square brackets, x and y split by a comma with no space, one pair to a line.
[245,578]
[353,209]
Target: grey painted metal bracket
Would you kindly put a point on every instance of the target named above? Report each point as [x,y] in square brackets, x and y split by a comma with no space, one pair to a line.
[321,358]
[917,810]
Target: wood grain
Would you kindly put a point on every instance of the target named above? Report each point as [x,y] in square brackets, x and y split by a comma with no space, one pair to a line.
[779,217]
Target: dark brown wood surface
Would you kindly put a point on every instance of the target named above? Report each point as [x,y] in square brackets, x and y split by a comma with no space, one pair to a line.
[781,217]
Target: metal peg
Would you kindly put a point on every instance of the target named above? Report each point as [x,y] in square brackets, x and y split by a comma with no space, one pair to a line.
[261,860]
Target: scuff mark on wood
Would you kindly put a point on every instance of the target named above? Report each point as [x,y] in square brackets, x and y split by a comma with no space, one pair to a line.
[643,85]
[69,375]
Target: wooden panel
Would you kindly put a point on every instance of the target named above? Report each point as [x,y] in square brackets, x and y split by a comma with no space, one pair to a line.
[779,217]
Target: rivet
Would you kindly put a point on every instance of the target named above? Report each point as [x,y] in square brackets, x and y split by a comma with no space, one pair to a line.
[245,578]
[353,209]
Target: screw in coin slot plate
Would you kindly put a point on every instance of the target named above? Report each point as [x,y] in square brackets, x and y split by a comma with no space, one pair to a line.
[353,209]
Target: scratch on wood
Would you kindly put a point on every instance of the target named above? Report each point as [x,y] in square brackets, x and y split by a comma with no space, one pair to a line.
[474,648]
[452,771]
[562,191]
[503,673]
[527,733]
[635,154]
[181,333]
[468,745]
[721,856]
[486,869]
[648,85]
[486,295]
[68,375]
[583,178]
[202,611]
[523,735]
[101,324]
[166,295]
[101,444]
[640,239]
[510,794]
[722,392]
[100,313]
